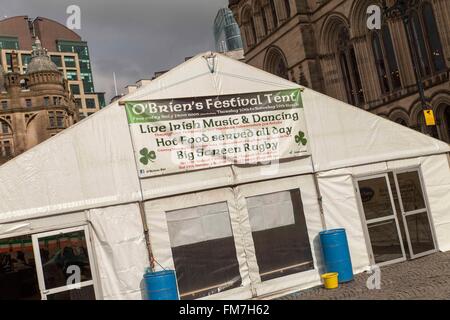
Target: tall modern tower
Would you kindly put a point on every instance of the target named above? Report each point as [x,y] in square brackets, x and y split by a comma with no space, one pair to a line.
[227,35]
[66,49]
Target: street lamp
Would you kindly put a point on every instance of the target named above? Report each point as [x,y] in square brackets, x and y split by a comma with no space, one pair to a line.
[403,9]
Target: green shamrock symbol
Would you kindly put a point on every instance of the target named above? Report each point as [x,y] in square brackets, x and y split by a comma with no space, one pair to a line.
[147,156]
[300,138]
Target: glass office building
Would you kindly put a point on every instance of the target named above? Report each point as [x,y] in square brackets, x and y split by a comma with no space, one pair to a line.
[227,35]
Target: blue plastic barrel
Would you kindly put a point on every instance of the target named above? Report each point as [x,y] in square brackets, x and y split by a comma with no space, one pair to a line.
[336,253]
[161,285]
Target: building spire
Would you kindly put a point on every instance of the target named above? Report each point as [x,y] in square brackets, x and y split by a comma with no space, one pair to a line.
[37,49]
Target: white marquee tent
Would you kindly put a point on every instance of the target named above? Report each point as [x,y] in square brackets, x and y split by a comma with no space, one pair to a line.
[86,177]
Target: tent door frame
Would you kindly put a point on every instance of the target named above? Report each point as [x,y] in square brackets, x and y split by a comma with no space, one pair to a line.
[366,222]
[415,212]
[40,272]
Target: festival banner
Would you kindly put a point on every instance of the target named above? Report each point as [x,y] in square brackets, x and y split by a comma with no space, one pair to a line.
[178,135]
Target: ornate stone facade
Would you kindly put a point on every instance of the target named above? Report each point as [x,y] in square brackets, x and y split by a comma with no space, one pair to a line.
[33,106]
[326,45]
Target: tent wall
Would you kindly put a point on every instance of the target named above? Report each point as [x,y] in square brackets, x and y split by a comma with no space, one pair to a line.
[436,178]
[120,249]
[158,213]
[30,226]
[342,135]
[195,181]
[341,208]
[88,165]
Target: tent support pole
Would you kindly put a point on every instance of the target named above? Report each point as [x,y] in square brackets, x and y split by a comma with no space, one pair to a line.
[319,196]
[319,199]
[151,258]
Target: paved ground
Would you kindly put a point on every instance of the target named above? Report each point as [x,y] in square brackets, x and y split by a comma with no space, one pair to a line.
[423,278]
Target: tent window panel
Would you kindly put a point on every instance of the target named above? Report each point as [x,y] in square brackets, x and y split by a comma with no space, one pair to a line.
[18,277]
[279,234]
[420,233]
[85,293]
[385,241]
[375,198]
[411,191]
[58,253]
[203,250]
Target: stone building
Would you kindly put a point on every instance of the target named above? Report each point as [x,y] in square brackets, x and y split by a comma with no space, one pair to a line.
[66,49]
[327,46]
[34,105]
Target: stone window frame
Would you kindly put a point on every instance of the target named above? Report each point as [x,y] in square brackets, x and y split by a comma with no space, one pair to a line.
[4,143]
[348,65]
[273,55]
[381,37]
[421,30]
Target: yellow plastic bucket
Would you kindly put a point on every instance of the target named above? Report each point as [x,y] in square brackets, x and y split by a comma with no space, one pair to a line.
[330,280]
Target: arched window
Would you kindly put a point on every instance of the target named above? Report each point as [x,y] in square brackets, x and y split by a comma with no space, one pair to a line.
[349,68]
[276,63]
[379,61]
[6,150]
[249,27]
[447,121]
[253,27]
[420,46]
[287,7]
[6,146]
[386,62]
[401,121]
[391,58]
[5,129]
[264,21]
[434,43]
[274,13]
[261,14]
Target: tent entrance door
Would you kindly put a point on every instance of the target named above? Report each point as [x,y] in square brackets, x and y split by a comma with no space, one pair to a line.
[411,203]
[64,264]
[396,216]
[382,231]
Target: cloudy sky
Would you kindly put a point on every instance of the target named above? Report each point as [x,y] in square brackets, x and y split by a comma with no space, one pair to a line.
[133,38]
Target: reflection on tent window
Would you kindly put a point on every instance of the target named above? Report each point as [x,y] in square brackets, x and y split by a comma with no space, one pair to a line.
[203,250]
[280,234]
[18,278]
[58,253]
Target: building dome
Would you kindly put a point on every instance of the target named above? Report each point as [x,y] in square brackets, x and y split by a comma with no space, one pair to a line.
[40,60]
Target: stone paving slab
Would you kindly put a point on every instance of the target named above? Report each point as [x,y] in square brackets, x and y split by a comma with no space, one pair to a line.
[423,278]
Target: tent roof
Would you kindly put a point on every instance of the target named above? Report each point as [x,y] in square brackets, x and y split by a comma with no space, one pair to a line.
[91,164]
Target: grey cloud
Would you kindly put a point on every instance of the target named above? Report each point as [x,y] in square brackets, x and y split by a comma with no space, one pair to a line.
[133,38]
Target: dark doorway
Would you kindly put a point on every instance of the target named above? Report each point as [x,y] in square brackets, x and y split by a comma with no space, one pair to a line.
[18,278]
